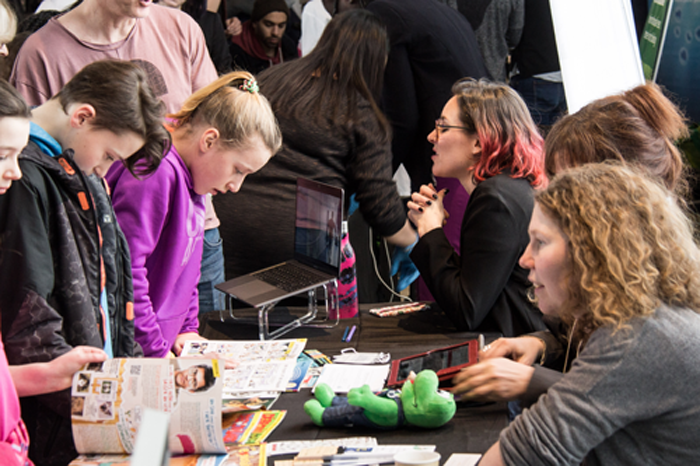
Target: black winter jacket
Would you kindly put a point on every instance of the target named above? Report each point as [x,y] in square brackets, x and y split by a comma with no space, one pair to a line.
[51,269]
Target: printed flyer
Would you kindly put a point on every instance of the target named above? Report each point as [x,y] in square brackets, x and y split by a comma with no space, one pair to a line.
[265,366]
[108,400]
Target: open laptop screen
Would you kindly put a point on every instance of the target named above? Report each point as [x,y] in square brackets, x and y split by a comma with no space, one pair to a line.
[319,213]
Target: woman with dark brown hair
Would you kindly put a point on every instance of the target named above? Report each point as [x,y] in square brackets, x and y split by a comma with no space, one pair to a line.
[334,132]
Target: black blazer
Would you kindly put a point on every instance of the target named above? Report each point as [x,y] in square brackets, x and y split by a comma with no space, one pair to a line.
[483,288]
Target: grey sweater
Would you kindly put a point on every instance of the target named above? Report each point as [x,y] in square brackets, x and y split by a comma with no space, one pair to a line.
[631,397]
[498,25]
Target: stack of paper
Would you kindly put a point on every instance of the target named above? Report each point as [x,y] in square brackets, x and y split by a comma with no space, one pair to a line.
[343,377]
[264,369]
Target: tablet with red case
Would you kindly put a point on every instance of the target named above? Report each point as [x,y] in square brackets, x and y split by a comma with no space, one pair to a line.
[446,362]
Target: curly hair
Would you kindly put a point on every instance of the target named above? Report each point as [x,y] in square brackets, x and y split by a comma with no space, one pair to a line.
[630,245]
[509,138]
[639,126]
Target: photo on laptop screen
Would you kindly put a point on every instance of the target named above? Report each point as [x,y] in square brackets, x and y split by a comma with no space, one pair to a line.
[317,229]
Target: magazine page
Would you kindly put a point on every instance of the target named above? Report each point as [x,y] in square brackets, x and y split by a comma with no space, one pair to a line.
[108,400]
[262,365]
[251,401]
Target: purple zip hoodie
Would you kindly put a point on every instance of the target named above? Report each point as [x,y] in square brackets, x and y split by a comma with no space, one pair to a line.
[163,220]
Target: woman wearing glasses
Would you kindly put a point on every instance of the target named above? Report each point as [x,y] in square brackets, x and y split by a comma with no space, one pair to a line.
[487,140]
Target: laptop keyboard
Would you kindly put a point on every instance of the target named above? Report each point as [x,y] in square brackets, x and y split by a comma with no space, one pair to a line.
[289,277]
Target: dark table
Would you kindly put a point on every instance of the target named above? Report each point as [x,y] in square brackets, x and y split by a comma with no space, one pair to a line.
[472,430]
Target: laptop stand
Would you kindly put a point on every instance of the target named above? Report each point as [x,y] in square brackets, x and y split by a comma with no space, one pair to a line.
[310,319]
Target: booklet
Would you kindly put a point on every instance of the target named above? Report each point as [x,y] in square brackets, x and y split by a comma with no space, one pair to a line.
[251,401]
[262,365]
[108,400]
[251,428]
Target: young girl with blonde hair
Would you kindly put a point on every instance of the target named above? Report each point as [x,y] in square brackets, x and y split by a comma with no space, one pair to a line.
[223,132]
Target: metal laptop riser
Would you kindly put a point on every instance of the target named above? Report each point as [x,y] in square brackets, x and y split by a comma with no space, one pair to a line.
[310,319]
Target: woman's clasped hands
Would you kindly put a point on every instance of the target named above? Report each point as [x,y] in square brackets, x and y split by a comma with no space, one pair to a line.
[426,210]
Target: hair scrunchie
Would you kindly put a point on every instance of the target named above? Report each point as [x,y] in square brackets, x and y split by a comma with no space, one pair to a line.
[250,85]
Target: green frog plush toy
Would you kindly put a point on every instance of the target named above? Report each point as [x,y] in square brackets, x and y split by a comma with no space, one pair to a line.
[419,403]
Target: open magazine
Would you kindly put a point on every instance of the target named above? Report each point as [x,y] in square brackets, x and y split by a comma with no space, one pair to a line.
[109,398]
[263,366]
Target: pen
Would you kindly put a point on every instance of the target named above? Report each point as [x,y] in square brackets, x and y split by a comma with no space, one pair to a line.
[481,342]
[352,332]
[345,334]
[355,456]
[399,311]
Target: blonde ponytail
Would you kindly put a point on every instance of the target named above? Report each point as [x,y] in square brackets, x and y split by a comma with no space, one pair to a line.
[233,105]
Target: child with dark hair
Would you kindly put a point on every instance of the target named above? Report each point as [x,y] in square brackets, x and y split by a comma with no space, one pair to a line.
[56,294]
[28,379]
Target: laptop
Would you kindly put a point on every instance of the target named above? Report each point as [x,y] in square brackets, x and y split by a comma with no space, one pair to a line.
[317,230]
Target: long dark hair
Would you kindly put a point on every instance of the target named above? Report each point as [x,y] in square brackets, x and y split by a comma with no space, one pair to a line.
[348,60]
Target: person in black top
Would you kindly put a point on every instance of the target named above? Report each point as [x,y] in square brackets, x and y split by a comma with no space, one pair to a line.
[205,13]
[486,139]
[431,47]
[333,132]
[538,79]
[262,42]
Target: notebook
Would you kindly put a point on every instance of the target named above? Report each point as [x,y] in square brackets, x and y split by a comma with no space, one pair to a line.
[317,230]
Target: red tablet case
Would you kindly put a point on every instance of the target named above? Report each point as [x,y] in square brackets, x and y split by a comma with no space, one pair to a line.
[443,374]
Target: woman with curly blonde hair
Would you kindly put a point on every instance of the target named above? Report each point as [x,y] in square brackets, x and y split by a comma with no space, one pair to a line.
[636,127]
[614,257]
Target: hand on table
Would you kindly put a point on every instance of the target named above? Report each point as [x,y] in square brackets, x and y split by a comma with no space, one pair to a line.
[425,209]
[525,350]
[496,379]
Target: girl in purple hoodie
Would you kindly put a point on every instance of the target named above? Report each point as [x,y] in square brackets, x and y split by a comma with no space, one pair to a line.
[223,132]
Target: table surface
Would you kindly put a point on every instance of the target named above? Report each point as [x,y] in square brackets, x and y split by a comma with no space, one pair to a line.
[472,430]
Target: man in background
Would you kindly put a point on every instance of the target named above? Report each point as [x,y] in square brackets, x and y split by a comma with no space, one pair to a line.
[262,42]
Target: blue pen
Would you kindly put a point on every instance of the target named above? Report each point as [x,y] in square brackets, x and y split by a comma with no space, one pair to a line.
[352,332]
[345,333]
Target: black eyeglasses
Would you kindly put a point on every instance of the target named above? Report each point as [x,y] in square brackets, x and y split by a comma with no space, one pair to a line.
[439,127]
